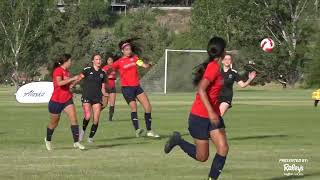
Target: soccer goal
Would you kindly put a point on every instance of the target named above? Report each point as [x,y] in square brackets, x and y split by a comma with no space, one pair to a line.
[173,72]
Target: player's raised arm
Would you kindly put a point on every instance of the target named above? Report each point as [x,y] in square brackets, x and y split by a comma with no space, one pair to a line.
[141,63]
[243,84]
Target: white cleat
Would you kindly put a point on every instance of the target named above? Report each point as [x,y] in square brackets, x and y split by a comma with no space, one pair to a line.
[48,144]
[78,145]
[139,132]
[90,140]
[81,134]
[153,134]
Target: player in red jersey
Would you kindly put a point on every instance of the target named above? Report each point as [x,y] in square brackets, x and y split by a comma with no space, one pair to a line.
[61,100]
[111,87]
[204,120]
[130,86]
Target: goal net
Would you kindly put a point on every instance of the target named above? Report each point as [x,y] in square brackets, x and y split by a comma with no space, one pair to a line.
[173,72]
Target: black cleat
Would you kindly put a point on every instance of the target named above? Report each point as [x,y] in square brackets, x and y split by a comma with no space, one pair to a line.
[174,140]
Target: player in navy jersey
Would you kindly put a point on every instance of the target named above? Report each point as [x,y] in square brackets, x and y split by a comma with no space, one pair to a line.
[92,92]
[230,76]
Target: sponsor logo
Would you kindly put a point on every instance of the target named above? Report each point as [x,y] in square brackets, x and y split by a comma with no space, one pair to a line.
[129,65]
[293,167]
[101,76]
[32,93]
[230,76]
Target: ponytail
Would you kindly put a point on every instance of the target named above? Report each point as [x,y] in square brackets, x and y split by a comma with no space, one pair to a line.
[216,48]
[61,60]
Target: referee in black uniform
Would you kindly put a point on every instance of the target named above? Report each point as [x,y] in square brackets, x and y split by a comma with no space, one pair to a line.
[230,76]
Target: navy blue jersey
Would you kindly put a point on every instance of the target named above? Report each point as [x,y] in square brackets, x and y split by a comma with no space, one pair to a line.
[229,78]
[93,81]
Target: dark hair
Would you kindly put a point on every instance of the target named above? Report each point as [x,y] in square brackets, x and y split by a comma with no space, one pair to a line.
[135,46]
[216,48]
[61,60]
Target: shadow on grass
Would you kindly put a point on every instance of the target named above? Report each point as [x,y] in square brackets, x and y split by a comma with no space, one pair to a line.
[258,137]
[145,137]
[1,133]
[116,145]
[296,177]
[104,146]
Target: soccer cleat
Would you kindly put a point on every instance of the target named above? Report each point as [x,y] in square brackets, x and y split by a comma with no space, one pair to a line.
[81,134]
[174,140]
[152,134]
[90,140]
[139,132]
[78,145]
[48,144]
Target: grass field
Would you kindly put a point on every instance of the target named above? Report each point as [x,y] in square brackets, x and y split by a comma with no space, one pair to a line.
[263,126]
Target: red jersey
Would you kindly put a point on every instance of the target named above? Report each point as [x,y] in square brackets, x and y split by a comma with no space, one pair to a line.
[61,94]
[111,73]
[128,70]
[212,73]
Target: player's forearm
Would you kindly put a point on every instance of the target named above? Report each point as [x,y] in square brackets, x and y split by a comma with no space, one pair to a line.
[65,82]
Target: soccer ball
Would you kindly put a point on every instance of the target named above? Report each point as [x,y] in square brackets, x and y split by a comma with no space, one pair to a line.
[267,45]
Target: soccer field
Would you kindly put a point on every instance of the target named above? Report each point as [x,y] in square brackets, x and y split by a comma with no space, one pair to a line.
[263,126]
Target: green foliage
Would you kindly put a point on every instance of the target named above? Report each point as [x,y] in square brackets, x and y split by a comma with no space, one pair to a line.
[68,33]
[95,12]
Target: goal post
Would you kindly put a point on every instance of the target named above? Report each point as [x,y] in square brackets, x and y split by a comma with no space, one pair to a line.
[173,71]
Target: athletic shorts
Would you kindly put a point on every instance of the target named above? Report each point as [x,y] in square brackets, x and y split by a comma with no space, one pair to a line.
[111,90]
[91,101]
[226,100]
[57,108]
[200,127]
[130,93]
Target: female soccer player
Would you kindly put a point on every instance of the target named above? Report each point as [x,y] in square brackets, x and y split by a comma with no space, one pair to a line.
[93,90]
[61,100]
[230,76]
[204,120]
[130,86]
[111,86]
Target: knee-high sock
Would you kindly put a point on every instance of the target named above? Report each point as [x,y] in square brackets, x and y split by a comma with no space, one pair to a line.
[148,119]
[75,132]
[49,134]
[217,166]
[134,119]
[188,148]
[93,131]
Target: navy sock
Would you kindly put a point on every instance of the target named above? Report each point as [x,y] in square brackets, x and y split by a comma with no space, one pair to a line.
[134,119]
[188,148]
[93,131]
[217,166]
[75,132]
[49,134]
[316,103]
[111,111]
[85,123]
[148,119]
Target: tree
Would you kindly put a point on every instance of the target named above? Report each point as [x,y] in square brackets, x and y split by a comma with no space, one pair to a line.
[245,23]
[21,25]
[95,12]
[68,33]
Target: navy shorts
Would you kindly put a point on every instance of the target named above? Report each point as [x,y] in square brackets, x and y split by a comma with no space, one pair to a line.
[91,101]
[130,93]
[200,127]
[226,100]
[111,90]
[57,108]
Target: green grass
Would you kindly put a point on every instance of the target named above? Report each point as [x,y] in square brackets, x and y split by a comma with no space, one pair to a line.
[263,126]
